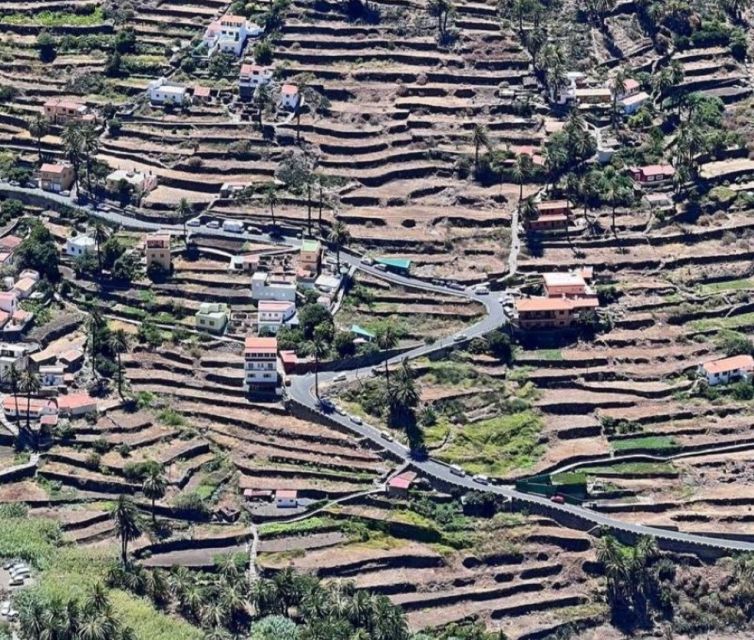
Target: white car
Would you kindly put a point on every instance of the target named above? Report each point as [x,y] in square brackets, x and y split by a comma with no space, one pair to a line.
[356,420]
[456,470]
[194,222]
[341,377]
[386,436]
[380,267]
[481,479]
[367,260]
[340,411]
[482,291]
[213,224]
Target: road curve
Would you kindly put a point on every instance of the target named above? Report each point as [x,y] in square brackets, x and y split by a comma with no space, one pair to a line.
[300,389]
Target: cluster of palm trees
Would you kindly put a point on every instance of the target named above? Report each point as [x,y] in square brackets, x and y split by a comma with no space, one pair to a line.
[81,145]
[632,581]
[55,619]
[227,603]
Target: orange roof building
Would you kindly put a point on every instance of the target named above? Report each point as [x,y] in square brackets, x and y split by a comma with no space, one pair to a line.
[728,369]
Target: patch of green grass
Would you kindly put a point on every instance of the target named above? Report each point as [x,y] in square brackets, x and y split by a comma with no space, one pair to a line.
[148,623]
[171,418]
[498,445]
[732,322]
[73,571]
[551,355]
[726,285]
[34,540]
[644,442]
[315,523]
[632,468]
[55,18]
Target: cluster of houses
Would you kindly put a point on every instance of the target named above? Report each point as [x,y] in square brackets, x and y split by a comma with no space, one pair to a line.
[579,90]
[565,297]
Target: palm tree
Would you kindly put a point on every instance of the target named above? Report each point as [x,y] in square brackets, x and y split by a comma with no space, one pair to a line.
[522,169]
[528,210]
[126,520]
[271,199]
[387,338]
[405,394]
[320,348]
[442,10]
[480,138]
[154,485]
[100,235]
[183,211]
[89,148]
[30,384]
[38,128]
[618,87]
[73,146]
[119,345]
[338,237]
[14,378]
[93,325]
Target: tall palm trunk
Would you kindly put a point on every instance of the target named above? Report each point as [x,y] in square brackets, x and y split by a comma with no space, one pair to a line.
[309,208]
[316,374]
[320,208]
[120,376]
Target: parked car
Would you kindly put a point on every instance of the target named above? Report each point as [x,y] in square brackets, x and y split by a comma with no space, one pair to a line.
[213,224]
[340,411]
[456,470]
[367,260]
[386,436]
[194,222]
[341,377]
[481,479]
[380,267]
[16,582]
[233,226]
[557,498]
[356,420]
[326,405]
[482,290]
[459,337]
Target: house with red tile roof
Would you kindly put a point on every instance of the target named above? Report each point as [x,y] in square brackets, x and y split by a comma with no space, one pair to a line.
[289,96]
[76,404]
[728,369]
[17,408]
[652,173]
[398,486]
[56,177]
[261,364]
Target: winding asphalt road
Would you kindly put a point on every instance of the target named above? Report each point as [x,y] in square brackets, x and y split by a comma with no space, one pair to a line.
[301,387]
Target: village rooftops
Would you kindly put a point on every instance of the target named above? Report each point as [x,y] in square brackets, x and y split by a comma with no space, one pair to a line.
[10,242]
[158,240]
[726,365]
[549,206]
[289,90]
[637,98]
[76,401]
[310,246]
[273,306]
[403,481]
[65,104]
[251,69]
[264,346]
[563,280]
[201,91]
[532,305]
[37,405]
[631,85]
[651,170]
[231,20]
[286,494]
[55,169]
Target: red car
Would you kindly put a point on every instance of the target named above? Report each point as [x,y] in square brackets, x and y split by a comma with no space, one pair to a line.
[557,498]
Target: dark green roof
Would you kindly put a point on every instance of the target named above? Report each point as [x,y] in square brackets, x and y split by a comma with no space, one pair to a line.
[396,263]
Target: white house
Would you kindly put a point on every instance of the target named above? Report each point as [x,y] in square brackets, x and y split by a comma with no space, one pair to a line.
[51,375]
[13,355]
[728,369]
[251,77]
[631,104]
[265,286]
[327,283]
[212,317]
[141,183]
[261,364]
[162,91]
[271,314]
[289,96]
[8,302]
[286,499]
[229,34]
[79,245]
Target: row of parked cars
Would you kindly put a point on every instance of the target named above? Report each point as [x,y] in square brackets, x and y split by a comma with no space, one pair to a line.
[19,572]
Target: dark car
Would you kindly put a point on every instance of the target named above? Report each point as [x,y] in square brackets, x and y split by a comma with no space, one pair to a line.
[325,405]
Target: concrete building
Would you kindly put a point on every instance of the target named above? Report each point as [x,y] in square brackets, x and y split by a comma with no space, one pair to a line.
[631,104]
[593,95]
[251,77]
[17,408]
[76,404]
[213,317]
[653,173]
[260,364]
[728,369]
[289,96]
[272,314]
[8,302]
[266,286]
[550,313]
[52,375]
[566,285]
[60,111]
[141,183]
[13,355]
[157,250]
[286,499]
[163,92]
[79,245]
[399,486]
[310,256]
[56,177]
[228,34]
